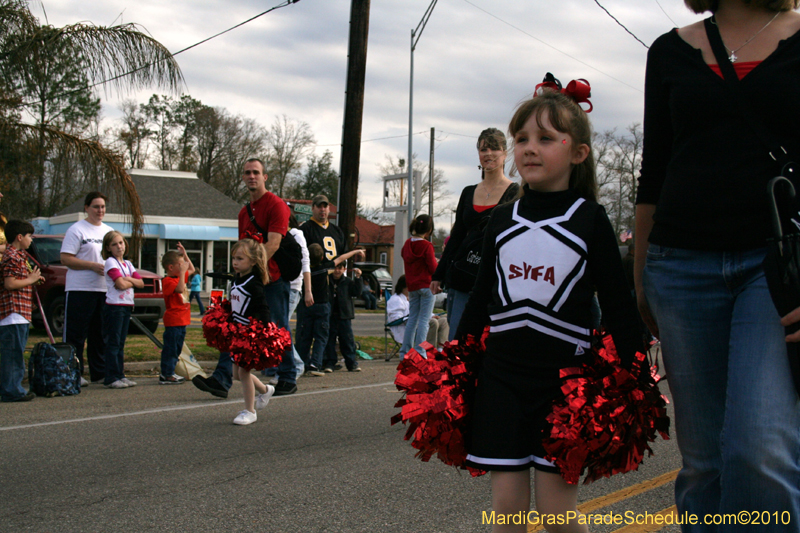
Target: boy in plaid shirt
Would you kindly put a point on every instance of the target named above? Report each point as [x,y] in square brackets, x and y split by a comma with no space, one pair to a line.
[15,310]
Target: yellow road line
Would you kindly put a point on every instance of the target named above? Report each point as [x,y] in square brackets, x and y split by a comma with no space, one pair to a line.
[618,496]
[651,527]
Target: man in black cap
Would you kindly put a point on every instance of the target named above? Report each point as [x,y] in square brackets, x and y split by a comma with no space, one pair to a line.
[319,230]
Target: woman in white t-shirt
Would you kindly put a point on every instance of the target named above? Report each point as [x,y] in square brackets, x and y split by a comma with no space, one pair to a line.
[81,253]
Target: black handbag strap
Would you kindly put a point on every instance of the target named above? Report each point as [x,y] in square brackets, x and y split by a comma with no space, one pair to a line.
[253,220]
[775,150]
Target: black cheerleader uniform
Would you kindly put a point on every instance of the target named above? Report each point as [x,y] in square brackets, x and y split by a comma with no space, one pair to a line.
[543,258]
[247,298]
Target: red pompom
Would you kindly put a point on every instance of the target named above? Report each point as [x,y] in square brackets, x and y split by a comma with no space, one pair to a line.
[255,346]
[607,418]
[438,395]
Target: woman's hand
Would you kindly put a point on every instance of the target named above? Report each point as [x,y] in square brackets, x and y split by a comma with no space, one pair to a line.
[647,315]
[98,268]
[792,318]
[436,287]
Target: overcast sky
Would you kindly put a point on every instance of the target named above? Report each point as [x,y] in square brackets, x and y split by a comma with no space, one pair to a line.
[476,60]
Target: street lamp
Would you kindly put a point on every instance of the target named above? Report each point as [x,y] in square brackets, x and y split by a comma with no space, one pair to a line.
[415,35]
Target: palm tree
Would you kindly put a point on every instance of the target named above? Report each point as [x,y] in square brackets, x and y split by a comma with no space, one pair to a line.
[32,58]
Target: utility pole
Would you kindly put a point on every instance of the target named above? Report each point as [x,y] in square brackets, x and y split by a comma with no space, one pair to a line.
[353,113]
[430,177]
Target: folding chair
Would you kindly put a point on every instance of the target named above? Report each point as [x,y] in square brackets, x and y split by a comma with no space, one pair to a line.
[387,330]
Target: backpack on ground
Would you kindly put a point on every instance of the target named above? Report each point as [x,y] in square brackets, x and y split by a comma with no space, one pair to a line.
[288,257]
[54,370]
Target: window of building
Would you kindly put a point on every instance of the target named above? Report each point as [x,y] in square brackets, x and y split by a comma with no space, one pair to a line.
[221,261]
[148,255]
[384,257]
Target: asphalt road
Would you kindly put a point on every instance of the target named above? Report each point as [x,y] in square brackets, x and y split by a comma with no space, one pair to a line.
[168,458]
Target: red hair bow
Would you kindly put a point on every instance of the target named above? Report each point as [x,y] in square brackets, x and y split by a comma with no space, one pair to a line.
[579,90]
[256,236]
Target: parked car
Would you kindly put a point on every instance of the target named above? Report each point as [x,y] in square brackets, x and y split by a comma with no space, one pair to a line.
[378,277]
[46,250]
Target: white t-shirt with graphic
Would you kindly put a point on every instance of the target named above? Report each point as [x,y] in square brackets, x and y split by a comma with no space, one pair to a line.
[85,241]
[124,269]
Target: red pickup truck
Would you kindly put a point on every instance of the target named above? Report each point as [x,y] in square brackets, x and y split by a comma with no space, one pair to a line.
[46,250]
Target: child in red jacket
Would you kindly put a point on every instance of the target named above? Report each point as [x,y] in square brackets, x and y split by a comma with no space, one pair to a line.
[420,264]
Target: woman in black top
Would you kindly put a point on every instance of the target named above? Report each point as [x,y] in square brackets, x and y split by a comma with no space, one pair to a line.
[461,258]
[702,210]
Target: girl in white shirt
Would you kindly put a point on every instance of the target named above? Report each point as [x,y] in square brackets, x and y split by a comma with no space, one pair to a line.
[120,277]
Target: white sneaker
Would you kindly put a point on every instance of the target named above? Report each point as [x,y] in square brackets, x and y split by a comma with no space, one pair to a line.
[245,418]
[129,382]
[84,383]
[119,384]
[263,399]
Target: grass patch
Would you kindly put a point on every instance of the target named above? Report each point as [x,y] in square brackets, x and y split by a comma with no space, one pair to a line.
[140,348]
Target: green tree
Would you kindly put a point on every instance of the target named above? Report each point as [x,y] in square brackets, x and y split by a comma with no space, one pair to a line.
[119,57]
[319,178]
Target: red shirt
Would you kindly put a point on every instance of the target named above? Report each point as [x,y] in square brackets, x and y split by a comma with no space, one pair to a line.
[420,263]
[272,214]
[179,311]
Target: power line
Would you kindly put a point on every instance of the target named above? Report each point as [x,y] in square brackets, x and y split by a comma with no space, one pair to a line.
[667,14]
[405,135]
[554,48]
[147,65]
[621,24]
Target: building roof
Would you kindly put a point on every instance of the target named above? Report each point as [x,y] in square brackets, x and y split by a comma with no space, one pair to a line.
[173,194]
[372,233]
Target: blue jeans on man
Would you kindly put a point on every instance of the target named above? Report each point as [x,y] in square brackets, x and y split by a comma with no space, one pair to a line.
[174,337]
[294,300]
[115,330]
[13,339]
[736,411]
[312,325]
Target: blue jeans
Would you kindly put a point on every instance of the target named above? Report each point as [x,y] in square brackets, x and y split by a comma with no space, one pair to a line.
[13,339]
[276,294]
[420,308]
[115,329]
[83,323]
[312,324]
[224,371]
[370,301]
[195,295]
[173,344]
[737,416]
[456,302]
[294,299]
[341,328]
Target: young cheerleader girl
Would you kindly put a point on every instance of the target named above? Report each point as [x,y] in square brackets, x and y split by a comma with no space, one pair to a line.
[543,257]
[420,264]
[120,278]
[249,260]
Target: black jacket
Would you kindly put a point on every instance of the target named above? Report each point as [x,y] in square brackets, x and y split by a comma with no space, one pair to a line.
[342,293]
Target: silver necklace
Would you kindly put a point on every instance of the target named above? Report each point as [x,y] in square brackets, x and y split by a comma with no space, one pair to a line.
[490,191]
[732,58]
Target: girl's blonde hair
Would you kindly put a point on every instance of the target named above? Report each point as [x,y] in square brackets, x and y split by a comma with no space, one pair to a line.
[257,254]
[107,238]
[701,6]
[566,116]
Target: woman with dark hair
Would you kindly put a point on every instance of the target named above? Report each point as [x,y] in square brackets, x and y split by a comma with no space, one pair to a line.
[85,285]
[461,258]
[420,264]
[702,223]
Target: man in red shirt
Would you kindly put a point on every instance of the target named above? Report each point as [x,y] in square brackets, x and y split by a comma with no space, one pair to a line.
[271,215]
